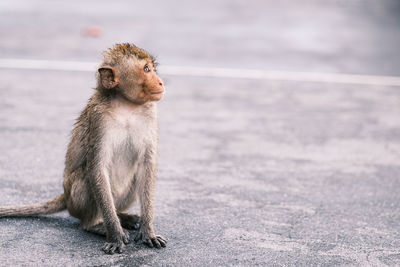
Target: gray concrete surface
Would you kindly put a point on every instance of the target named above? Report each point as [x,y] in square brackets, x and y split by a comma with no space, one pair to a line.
[252,172]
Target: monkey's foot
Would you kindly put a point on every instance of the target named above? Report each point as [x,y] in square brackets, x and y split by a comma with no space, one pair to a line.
[129,221]
[117,244]
[98,229]
[151,240]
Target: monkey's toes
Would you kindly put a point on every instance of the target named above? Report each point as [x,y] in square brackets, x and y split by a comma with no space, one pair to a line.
[125,236]
[131,225]
[129,221]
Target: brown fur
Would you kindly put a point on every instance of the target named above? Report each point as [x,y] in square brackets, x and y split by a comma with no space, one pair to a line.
[112,156]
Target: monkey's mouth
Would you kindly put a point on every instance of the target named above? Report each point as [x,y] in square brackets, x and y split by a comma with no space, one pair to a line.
[157,93]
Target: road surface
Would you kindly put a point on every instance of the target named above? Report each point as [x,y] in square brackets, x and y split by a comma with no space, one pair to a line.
[253,171]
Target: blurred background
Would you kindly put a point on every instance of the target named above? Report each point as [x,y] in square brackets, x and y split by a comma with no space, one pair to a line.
[279,130]
[330,36]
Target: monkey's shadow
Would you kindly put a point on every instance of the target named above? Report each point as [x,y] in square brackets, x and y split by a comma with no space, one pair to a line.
[43,221]
[66,226]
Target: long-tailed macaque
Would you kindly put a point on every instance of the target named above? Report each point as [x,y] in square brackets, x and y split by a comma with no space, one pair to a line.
[112,156]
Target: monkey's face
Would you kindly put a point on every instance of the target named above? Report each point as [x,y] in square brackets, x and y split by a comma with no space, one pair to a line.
[151,87]
[136,81]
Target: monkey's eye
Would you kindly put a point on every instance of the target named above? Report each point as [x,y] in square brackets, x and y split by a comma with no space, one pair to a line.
[146,68]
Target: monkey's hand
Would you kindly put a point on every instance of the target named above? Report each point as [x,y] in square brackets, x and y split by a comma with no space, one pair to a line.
[116,242]
[151,240]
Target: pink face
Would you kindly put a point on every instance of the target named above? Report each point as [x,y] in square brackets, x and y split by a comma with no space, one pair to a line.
[139,85]
[153,87]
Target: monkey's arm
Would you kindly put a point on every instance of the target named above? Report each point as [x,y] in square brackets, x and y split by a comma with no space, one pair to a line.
[147,177]
[99,180]
[116,236]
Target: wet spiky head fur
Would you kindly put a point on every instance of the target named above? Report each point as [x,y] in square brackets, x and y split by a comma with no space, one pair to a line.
[126,50]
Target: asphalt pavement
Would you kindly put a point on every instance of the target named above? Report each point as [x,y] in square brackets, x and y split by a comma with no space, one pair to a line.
[251,171]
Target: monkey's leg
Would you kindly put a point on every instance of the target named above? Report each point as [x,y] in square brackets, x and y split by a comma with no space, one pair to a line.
[146,191]
[129,221]
[99,229]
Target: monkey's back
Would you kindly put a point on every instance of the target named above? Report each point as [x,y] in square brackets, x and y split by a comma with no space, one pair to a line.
[76,187]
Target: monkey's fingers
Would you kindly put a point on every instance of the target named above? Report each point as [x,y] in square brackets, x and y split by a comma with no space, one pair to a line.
[162,241]
[110,248]
[159,237]
[156,242]
[145,240]
[148,242]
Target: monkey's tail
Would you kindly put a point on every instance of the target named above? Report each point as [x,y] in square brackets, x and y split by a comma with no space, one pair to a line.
[52,206]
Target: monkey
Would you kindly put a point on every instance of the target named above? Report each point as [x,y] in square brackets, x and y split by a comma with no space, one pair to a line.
[111,159]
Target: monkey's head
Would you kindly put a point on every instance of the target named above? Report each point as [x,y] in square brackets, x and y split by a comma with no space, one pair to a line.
[131,72]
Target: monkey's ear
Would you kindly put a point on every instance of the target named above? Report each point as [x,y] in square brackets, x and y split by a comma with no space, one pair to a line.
[108,77]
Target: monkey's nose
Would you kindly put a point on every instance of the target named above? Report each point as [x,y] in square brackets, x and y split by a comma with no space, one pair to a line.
[160,83]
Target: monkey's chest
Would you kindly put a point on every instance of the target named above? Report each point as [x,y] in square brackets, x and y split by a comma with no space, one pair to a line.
[128,139]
